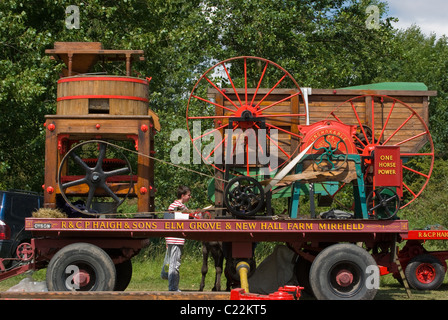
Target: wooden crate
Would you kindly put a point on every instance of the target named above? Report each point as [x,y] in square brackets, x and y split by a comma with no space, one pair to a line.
[324,101]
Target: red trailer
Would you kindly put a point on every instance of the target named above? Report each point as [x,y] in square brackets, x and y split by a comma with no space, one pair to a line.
[100,249]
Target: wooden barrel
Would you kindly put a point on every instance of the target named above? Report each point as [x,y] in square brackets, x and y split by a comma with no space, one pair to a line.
[114,95]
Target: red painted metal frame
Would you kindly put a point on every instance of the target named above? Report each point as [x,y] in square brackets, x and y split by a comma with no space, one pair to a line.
[47,247]
[236,110]
[130,235]
[17,270]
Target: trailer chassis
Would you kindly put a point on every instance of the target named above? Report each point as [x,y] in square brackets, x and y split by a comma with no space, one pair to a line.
[311,239]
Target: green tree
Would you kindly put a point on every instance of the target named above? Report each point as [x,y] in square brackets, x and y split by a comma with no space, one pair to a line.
[26,80]
[416,57]
[324,44]
[173,35]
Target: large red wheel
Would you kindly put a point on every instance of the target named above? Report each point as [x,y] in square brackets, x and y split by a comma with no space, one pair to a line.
[386,121]
[242,115]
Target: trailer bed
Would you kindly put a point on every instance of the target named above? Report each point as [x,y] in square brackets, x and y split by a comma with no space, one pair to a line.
[217,229]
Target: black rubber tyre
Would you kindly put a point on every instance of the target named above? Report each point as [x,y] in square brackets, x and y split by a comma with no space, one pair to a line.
[339,272]
[124,275]
[425,272]
[93,264]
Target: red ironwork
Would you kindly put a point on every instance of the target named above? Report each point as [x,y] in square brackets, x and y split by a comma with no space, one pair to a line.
[409,134]
[312,134]
[25,251]
[247,108]
[283,293]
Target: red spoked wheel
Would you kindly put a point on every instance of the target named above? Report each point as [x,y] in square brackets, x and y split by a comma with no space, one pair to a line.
[243,113]
[25,251]
[386,121]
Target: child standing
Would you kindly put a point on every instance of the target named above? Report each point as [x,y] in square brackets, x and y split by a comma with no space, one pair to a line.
[175,245]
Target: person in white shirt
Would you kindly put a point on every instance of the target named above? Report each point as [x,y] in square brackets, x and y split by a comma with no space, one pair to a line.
[175,245]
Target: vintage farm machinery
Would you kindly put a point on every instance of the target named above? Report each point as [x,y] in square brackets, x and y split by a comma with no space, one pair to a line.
[263,135]
[271,139]
[266,139]
[84,168]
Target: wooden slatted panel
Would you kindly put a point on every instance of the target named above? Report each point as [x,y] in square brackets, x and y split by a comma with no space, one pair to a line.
[322,102]
[321,106]
[89,95]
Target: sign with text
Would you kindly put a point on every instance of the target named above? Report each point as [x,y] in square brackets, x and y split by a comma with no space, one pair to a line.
[157,227]
[387,166]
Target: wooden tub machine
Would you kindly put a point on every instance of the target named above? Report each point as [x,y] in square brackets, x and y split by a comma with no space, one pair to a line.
[81,168]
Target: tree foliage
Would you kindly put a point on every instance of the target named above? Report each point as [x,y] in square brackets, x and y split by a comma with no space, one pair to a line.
[324,44]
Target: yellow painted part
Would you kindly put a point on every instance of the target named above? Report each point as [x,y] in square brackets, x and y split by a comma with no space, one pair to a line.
[243,269]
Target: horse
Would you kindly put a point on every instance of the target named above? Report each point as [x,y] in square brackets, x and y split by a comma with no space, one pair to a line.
[218,252]
[213,248]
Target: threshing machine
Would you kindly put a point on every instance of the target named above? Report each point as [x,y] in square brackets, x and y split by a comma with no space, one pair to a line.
[272,139]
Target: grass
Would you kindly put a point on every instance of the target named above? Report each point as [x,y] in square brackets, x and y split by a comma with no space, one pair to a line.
[147,266]
[390,289]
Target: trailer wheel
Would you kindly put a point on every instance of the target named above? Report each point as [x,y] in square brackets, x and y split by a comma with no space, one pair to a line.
[81,267]
[339,272]
[425,272]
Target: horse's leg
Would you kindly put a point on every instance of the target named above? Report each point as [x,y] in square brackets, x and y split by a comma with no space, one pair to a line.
[227,255]
[204,268]
[218,257]
[228,266]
